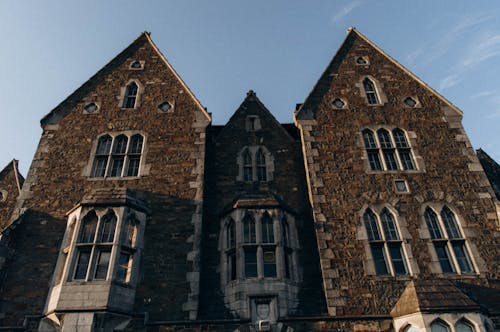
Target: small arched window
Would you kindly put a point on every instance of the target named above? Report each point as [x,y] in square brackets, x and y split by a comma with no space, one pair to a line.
[249,229]
[387,149]
[101,156]
[261,166]
[439,326]
[118,156]
[231,234]
[372,150]
[89,226]
[464,326]
[403,148]
[267,227]
[134,155]
[130,95]
[108,227]
[247,166]
[370,91]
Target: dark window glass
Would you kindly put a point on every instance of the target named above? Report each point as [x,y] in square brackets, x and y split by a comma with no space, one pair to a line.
[101,270]
[250,262]
[267,227]
[379,258]
[463,326]
[82,265]
[247,166]
[371,93]
[269,263]
[101,157]
[261,166]
[89,226]
[249,229]
[130,95]
[443,256]
[285,230]
[432,224]
[398,263]
[400,138]
[439,326]
[288,265]
[390,160]
[410,102]
[389,225]
[231,235]
[406,159]
[374,159]
[369,139]
[108,226]
[123,267]
[462,257]
[450,223]
[371,226]
[118,156]
[384,139]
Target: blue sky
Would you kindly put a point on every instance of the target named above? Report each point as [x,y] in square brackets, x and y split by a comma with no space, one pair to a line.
[223,48]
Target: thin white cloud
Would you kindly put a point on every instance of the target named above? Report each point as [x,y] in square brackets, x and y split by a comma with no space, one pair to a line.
[483,94]
[449,81]
[344,11]
[486,47]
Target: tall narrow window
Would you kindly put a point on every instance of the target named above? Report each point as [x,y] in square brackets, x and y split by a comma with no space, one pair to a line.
[448,241]
[251,262]
[372,150]
[269,262]
[464,326]
[101,156]
[386,246]
[403,149]
[371,93]
[108,226]
[249,229]
[231,234]
[439,326]
[267,227]
[247,166]
[118,156]
[387,149]
[130,95]
[261,166]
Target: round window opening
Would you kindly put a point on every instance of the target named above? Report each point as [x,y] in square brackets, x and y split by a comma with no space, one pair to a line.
[90,108]
[165,106]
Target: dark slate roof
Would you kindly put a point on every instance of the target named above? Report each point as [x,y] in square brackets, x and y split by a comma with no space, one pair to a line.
[113,197]
[257,200]
[487,297]
[432,296]
[492,170]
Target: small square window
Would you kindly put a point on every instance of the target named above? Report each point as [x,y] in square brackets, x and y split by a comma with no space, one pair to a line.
[165,107]
[401,186]
[410,102]
[338,103]
[91,108]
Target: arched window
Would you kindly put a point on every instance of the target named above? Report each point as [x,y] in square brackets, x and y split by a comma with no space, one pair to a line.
[231,234]
[403,149]
[247,166]
[88,228]
[261,166]
[231,245]
[101,156]
[370,91]
[386,246]
[464,326]
[372,150]
[130,95]
[108,226]
[285,229]
[387,149]
[118,156]
[439,326]
[448,241]
[410,328]
[267,228]
[249,229]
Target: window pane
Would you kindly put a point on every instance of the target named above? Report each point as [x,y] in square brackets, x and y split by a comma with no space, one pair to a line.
[231,260]
[450,223]
[462,326]
[374,159]
[285,230]
[371,94]
[371,225]
[249,229]
[399,138]
[247,166]
[397,259]
[267,229]
[384,139]
[406,160]
[231,233]
[88,228]
[115,168]
[101,270]
[120,145]
[269,264]
[99,167]
[261,173]
[390,160]
[251,263]
[130,96]
[133,165]
[432,224]
[104,145]
[288,266]
[444,257]
[123,267]
[379,259]
[389,225]
[462,257]
[108,228]
[439,327]
[135,144]
[369,139]
[82,265]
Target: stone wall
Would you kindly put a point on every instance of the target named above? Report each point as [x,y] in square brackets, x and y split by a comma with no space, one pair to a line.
[10,185]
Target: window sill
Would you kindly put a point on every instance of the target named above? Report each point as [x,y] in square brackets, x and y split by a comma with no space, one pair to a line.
[126,178]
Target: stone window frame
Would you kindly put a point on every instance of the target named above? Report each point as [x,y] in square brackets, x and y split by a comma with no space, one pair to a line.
[143,170]
[98,105]
[415,98]
[404,234]
[364,57]
[396,190]
[379,89]
[242,165]
[252,123]
[442,322]
[344,107]
[285,250]
[376,150]
[3,195]
[471,255]
[123,92]
[422,322]
[142,62]
[170,110]
[69,253]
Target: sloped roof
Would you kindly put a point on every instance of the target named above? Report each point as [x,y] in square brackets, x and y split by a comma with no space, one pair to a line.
[325,80]
[13,166]
[432,296]
[256,200]
[67,105]
[492,170]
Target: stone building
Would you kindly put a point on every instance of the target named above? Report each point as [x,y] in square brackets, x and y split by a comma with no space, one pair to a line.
[371,212]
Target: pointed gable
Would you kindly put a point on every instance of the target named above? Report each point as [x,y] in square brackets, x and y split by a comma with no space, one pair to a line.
[143,41]
[11,182]
[344,53]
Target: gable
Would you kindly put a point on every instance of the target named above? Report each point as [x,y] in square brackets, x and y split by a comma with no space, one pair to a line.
[100,78]
[345,53]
